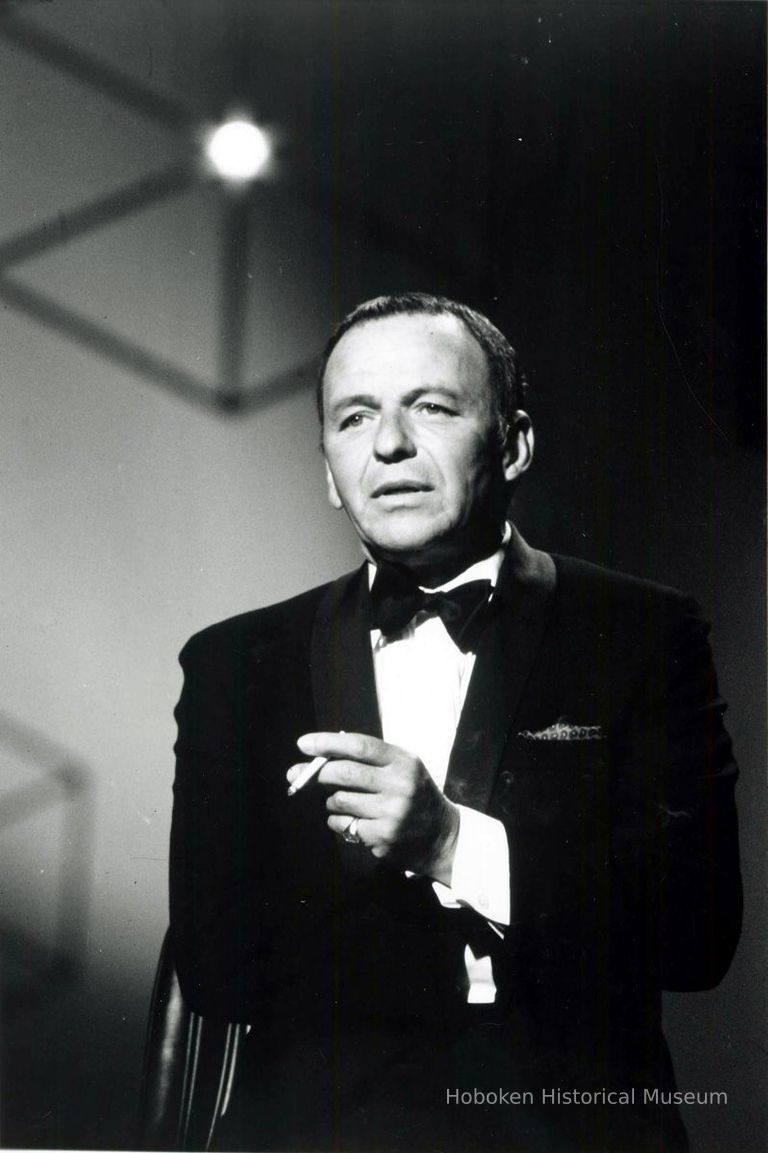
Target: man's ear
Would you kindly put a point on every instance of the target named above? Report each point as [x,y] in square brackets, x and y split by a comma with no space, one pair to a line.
[518,446]
[333,495]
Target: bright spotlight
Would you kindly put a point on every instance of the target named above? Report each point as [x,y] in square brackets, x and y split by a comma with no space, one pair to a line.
[238,150]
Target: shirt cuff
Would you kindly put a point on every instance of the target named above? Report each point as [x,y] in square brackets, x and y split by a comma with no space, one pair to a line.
[480,876]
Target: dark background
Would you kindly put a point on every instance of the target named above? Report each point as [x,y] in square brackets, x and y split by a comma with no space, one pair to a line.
[591,175]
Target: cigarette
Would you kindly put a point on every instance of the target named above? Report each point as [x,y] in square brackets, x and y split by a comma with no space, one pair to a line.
[312,769]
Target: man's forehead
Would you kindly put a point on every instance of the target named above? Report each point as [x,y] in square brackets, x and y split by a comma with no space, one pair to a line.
[407,338]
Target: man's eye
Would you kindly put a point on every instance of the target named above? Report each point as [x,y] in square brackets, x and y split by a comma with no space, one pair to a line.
[353,420]
[431,408]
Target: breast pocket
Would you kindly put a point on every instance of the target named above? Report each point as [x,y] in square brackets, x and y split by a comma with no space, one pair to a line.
[556,783]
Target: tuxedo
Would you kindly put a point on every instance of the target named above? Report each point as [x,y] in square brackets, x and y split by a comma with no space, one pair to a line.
[592,729]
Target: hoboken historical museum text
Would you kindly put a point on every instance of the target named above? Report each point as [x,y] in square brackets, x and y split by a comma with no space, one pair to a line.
[559,1096]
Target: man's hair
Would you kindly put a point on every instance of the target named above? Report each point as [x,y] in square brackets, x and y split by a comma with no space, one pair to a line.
[508,384]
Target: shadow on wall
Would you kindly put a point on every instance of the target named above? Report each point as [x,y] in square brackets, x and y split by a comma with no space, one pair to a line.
[46,859]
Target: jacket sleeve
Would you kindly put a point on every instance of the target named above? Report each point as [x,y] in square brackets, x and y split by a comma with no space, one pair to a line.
[681,761]
[210,866]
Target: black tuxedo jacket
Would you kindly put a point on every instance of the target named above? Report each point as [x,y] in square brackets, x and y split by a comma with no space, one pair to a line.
[623,846]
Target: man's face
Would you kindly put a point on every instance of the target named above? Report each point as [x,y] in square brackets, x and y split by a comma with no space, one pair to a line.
[411,439]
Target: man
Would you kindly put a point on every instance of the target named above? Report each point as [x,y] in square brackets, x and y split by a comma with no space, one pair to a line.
[523,827]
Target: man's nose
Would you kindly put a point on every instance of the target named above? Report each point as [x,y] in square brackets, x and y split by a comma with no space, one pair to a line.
[393,439]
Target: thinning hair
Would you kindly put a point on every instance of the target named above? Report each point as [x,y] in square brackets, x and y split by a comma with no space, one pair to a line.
[508,384]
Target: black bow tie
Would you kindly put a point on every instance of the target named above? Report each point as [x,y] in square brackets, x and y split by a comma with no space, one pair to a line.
[396,598]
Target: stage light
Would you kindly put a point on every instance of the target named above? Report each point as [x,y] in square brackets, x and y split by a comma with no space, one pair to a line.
[238,151]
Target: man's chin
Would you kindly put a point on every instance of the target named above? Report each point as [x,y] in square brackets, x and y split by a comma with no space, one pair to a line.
[404,533]
[413,548]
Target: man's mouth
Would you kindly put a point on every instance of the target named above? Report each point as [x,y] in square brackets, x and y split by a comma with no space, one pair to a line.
[398,487]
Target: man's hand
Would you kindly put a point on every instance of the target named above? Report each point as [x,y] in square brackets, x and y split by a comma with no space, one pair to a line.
[403,816]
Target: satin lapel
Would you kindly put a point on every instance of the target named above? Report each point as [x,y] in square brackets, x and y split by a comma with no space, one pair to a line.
[343,683]
[505,656]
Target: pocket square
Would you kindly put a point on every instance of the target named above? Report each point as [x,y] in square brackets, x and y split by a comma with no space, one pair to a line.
[563,731]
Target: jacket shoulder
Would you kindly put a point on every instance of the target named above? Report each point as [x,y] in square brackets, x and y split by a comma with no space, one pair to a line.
[603,610]
[591,581]
[296,614]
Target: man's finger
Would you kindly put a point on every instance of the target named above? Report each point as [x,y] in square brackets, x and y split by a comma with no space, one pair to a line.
[350,746]
[351,775]
[341,824]
[366,805]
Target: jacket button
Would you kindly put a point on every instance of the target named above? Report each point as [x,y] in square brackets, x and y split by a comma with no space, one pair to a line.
[507,778]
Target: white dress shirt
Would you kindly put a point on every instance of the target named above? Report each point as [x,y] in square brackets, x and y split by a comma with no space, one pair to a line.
[421,684]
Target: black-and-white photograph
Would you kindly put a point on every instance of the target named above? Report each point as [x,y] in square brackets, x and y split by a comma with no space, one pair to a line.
[382,457]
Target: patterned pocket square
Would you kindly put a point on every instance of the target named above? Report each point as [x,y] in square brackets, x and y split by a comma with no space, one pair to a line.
[563,731]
